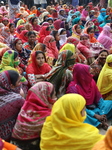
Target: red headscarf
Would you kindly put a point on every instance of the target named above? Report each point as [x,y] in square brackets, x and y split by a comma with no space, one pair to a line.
[23,37]
[43,33]
[33,68]
[57,24]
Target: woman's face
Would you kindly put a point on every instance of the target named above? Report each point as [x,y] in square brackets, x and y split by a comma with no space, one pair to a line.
[64,32]
[78,29]
[91,31]
[57,37]
[40,59]
[32,38]
[50,22]
[109,18]
[102,57]
[17,84]
[19,45]
[30,27]
[23,28]
[12,28]
[5,22]
[80,22]
[35,22]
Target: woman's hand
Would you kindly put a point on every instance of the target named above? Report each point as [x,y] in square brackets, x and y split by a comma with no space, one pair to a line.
[101,118]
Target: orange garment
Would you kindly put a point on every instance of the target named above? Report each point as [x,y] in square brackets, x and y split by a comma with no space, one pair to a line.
[8,146]
[105,144]
[92,38]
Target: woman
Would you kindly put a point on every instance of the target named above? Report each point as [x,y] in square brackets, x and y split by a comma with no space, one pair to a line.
[76,31]
[36,108]
[91,32]
[44,31]
[29,27]
[65,124]
[65,25]
[35,25]
[60,75]
[10,103]
[14,6]
[19,29]
[50,43]
[107,19]
[98,110]
[63,36]
[105,143]
[57,24]
[7,38]
[68,46]
[23,36]
[12,29]
[24,54]
[56,36]
[102,15]
[85,48]
[98,64]
[36,70]
[105,37]
[104,79]
[31,42]
[77,21]
[5,21]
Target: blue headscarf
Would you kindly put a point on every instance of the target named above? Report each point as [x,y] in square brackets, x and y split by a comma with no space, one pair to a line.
[101,15]
[105,21]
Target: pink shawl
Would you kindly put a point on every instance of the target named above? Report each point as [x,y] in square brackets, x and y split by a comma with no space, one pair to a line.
[104,37]
[36,108]
[84,84]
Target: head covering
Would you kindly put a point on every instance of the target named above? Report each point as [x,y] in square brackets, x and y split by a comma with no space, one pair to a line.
[23,36]
[75,21]
[43,33]
[19,28]
[104,38]
[70,14]
[72,40]
[69,46]
[105,21]
[57,74]
[36,108]
[7,62]
[101,15]
[104,79]
[52,50]
[106,143]
[21,21]
[84,83]
[45,24]
[74,33]
[64,121]
[57,24]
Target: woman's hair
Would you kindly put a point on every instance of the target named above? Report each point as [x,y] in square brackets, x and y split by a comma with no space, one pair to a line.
[30,33]
[62,31]
[11,24]
[104,50]
[89,29]
[33,19]
[15,54]
[15,42]
[40,52]
[54,33]
[13,75]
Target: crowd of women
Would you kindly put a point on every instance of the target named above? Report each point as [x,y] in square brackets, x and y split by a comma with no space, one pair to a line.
[55,77]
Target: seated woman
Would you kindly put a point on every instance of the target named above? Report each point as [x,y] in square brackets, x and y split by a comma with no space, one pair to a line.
[85,48]
[62,35]
[36,108]
[64,128]
[24,54]
[36,70]
[105,37]
[51,48]
[44,31]
[34,22]
[10,61]
[107,19]
[55,34]
[23,36]
[105,78]
[91,34]
[105,143]
[30,44]
[98,64]
[60,75]
[77,21]
[97,109]
[10,102]
[76,31]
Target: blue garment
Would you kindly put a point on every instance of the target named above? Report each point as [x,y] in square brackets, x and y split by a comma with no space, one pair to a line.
[101,15]
[75,3]
[104,107]
[70,15]
[105,21]
[14,2]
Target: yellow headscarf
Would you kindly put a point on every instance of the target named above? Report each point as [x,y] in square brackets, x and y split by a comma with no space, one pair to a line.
[64,128]
[20,22]
[68,46]
[104,82]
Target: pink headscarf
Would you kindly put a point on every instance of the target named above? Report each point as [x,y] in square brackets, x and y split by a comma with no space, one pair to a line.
[57,24]
[104,37]
[52,50]
[84,83]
